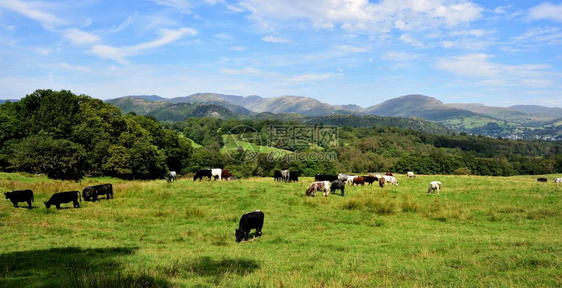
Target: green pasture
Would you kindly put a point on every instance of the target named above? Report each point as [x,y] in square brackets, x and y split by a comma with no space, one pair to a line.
[479,232]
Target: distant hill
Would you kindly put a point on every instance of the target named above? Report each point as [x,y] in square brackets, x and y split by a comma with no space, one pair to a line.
[508,114]
[539,110]
[530,122]
[137,105]
[216,99]
[166,111]
[144,97]
[184,111]
[2,101]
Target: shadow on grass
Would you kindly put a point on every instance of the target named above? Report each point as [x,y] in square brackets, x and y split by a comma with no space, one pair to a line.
[67,267]
[207,267]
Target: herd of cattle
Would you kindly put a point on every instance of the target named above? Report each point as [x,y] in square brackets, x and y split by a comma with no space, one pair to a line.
[89,193]
[253,220]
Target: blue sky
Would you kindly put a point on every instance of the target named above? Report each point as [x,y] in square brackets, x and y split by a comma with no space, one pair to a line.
[495,52]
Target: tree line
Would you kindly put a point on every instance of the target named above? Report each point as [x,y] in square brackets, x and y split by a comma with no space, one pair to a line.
[68,136]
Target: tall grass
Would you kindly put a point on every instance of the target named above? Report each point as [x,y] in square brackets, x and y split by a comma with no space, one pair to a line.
[480,231]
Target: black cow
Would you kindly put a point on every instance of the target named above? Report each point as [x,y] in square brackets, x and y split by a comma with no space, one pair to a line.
[92,192]
[370,179]
[249,221]
[202,173]
[20,196]
[294,177]
[324,177]
[64,197]
[542,180]
[277,176]
[337,184]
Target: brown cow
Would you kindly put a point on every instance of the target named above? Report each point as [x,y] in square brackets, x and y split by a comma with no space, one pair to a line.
[382,181]
[359,180]
[323,186]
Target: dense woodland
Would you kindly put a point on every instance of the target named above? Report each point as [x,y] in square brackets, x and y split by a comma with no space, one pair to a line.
[68,136]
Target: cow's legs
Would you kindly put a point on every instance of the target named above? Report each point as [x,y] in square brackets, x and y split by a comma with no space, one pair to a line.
[58,206]
[29,203]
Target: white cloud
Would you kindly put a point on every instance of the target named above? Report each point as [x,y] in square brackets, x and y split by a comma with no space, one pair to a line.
[122,26]
[479,65]
[32,10]
[408,39]
[78,37]
[548,35]
[352,49]
[400,56]
[119,53]
[473,33]
[74,67]
[546,11]
[364,15]
[224,36]
[244,71]
[309,77]
[181,5]
[238,48]
[273,39]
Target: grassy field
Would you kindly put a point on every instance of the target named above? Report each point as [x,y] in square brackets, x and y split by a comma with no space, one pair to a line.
[479,232]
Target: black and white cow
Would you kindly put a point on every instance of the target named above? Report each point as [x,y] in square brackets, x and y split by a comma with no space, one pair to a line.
[20,196]
[202,173]
[92,192]
[64,197]
[171,177]
[286,175]
[249,221]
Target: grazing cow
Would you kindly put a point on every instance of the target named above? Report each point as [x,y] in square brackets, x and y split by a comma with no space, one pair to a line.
[434,186]
[64,197]
[323,186]
[202,173]
[324,177]
[92,192]
[542,180]
[225,174]
[171,177]
[359,181]
[411,174]
[285,175]
[20,196]
[370,179]
[388,174]
[216,172]
[249,221]
[557,180]
[294,177]
[231,178]
[391,180]
[337,184]
[277,176]
[382,181]
[343,177]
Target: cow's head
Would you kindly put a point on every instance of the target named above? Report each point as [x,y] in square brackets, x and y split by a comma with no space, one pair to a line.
[47,204]
[7,194]
[239,235]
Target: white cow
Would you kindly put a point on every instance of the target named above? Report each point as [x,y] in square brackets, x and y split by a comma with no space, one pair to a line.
[285,174]
[434,186]
[558,180]
[216,172]
[350,180]
[378,176]
[172,176]
[411,174]
[391,180]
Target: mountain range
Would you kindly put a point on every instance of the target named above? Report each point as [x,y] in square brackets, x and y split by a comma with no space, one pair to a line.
[522,121]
